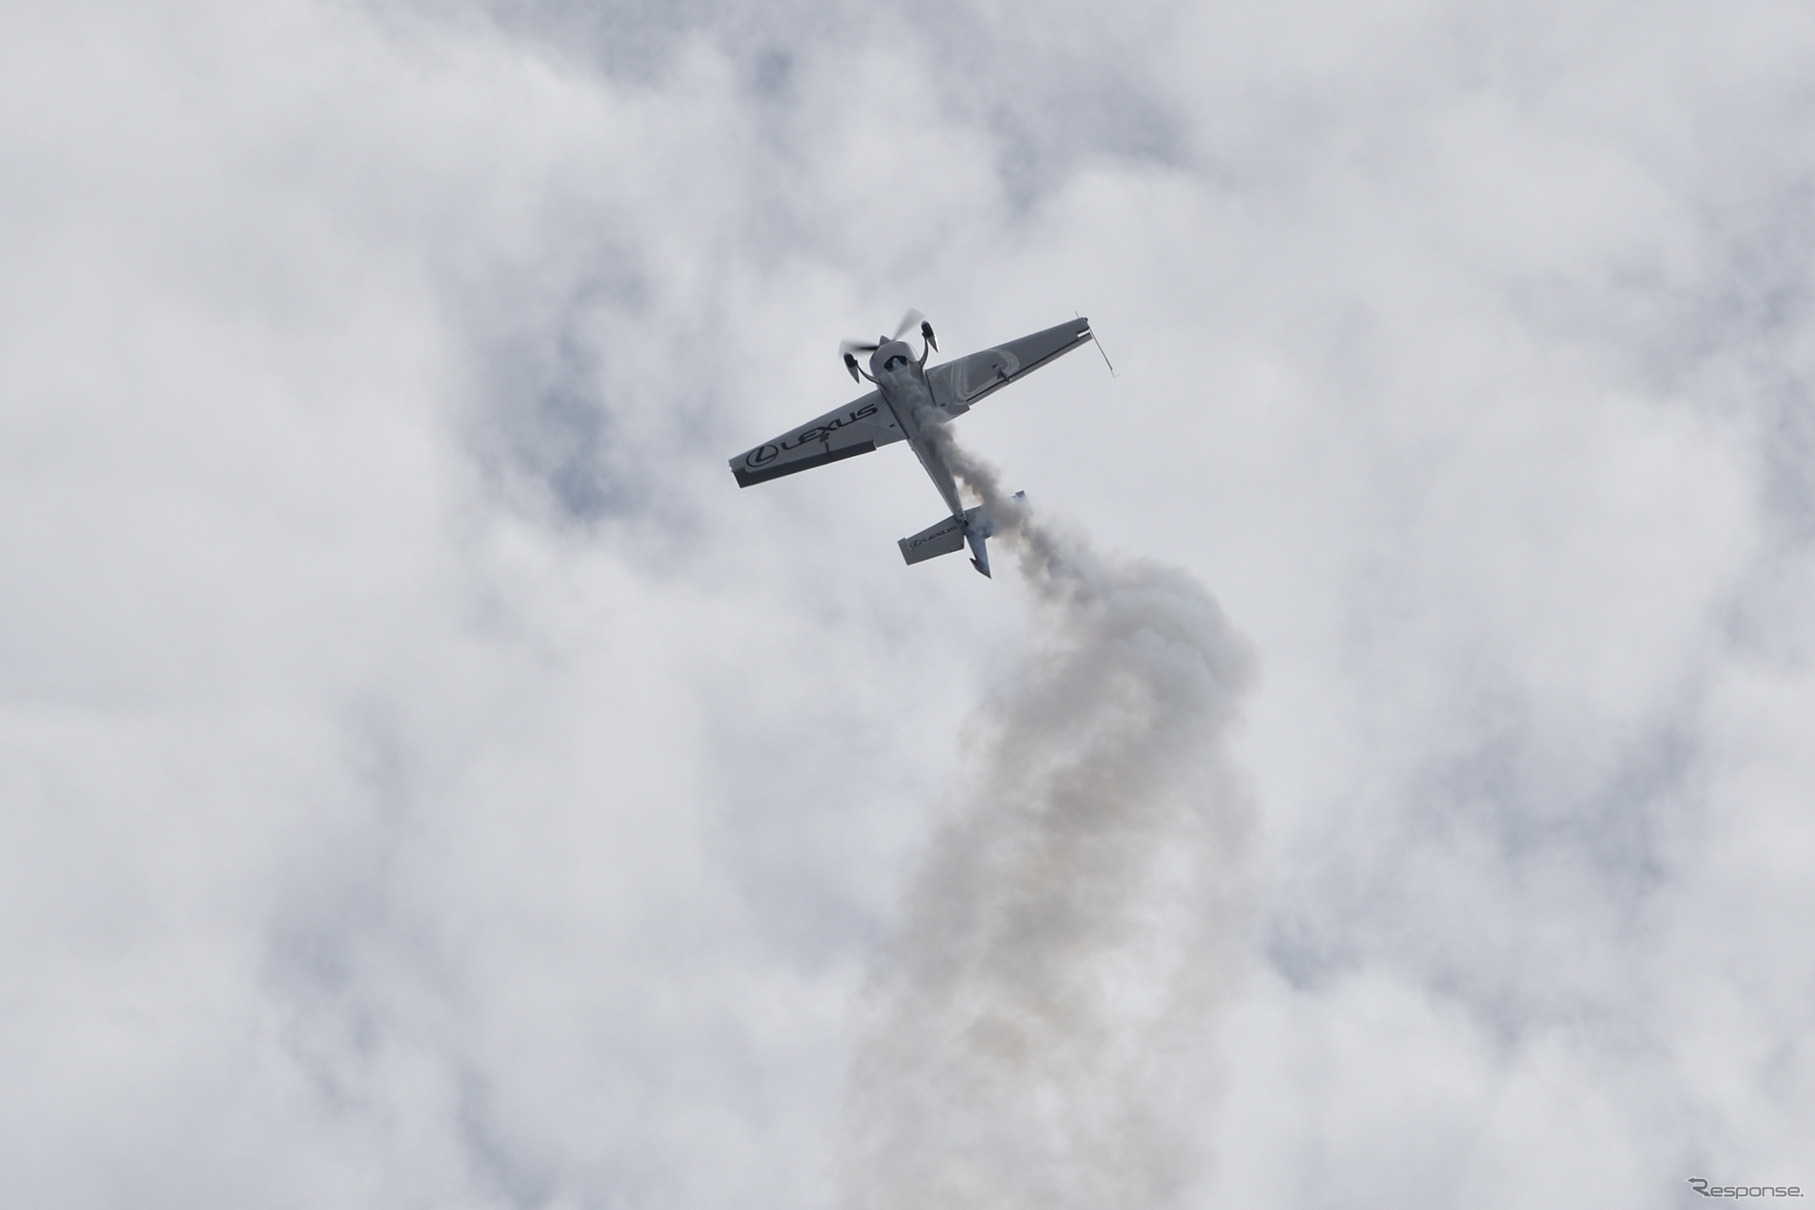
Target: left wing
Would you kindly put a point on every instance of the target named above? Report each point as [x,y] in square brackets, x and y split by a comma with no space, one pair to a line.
[958,384]
[856,428]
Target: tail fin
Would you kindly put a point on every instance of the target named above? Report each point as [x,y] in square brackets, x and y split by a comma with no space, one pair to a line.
[976,537]
[951,534]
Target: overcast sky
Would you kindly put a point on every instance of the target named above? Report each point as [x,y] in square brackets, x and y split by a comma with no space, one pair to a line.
[427,780]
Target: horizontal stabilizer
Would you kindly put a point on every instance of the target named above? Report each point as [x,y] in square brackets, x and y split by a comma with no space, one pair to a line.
[933,541]
[951,534]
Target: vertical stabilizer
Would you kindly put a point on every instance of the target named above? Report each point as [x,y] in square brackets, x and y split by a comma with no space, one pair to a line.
[978,526]
[951,533]
[979,552]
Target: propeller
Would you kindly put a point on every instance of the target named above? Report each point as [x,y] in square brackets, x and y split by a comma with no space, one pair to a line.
[902,329]
[851,347]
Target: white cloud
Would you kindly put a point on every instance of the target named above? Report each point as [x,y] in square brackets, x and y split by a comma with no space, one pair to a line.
[427,779]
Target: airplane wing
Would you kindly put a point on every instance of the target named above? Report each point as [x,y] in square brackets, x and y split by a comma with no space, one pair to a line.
[856,428]
[958,384]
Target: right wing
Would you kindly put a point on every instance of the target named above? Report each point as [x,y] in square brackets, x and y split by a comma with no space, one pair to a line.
[856,428]
[958,384]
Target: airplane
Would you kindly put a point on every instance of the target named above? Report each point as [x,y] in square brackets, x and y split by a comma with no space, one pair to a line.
[908,401]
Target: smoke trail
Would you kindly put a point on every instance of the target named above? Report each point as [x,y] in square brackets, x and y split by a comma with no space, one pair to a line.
[1040,1022]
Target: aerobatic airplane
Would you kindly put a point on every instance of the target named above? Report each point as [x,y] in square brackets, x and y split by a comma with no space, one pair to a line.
[910,398]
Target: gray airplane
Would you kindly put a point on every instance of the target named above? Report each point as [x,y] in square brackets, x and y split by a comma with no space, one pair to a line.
[910,398]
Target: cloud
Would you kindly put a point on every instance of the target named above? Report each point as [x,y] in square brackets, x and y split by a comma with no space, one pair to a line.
[428,777]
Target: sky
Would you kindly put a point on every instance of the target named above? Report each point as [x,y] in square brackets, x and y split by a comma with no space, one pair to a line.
[427,779]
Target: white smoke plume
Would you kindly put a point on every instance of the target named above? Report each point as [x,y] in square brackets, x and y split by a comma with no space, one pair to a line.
[1042,1020]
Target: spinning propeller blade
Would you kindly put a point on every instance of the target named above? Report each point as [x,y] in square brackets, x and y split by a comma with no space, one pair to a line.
[848,347]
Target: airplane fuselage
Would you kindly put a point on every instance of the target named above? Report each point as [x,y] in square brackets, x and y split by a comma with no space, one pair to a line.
[901,380]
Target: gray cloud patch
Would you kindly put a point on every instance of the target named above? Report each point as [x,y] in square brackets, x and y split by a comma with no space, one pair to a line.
[545,415]
[557,431]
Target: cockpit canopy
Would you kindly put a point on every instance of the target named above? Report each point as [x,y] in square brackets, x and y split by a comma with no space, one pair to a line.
[891,357]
